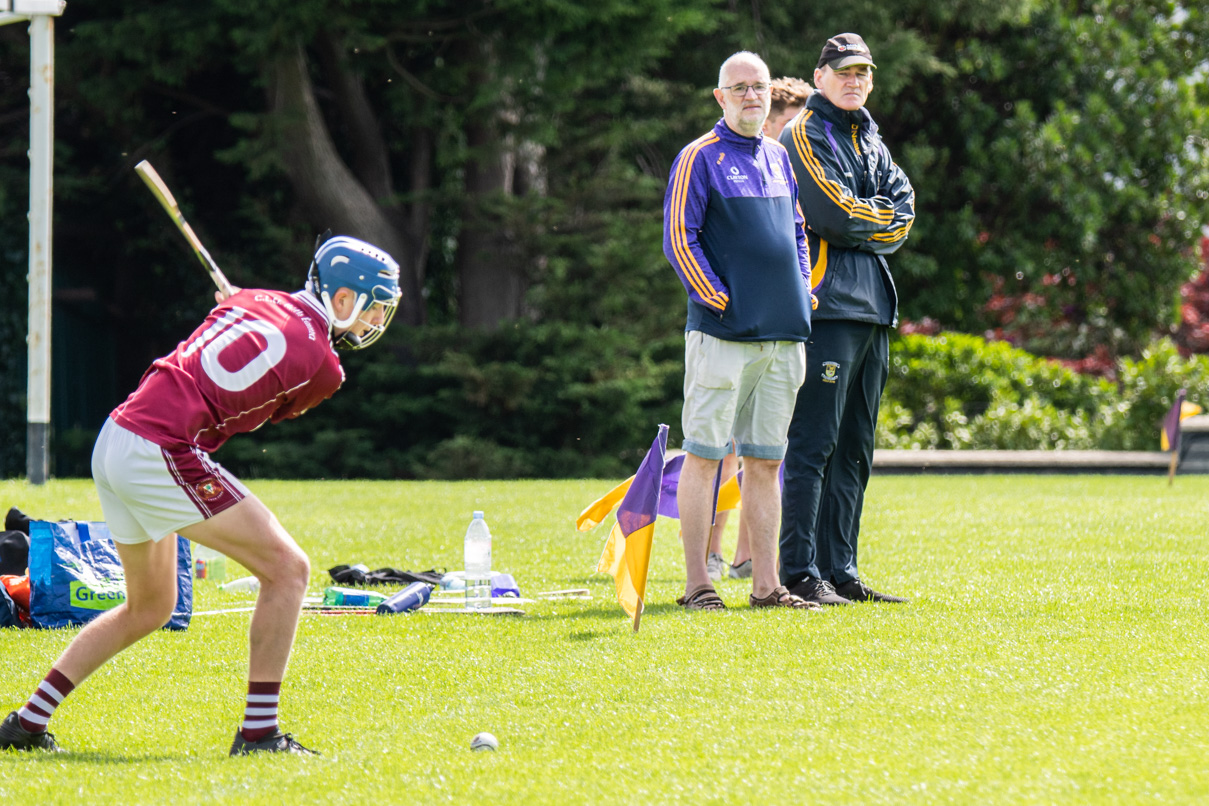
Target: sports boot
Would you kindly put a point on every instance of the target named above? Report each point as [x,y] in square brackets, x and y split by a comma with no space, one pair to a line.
[818,591]
[277,743]
[858,591]
[13,736]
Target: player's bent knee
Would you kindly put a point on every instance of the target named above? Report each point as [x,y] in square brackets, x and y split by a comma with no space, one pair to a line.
[148,616]
[302,570]
[290,569]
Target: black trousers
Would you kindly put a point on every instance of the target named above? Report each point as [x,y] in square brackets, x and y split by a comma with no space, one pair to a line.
[831,450]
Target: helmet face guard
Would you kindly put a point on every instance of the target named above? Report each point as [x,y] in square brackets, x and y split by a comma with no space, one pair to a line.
[370,273]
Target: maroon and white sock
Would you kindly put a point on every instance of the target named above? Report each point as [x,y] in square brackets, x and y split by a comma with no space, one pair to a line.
[46,698]
[260,713]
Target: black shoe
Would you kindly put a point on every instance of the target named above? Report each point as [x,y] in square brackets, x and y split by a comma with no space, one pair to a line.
[16,521]
[858,591]
[277,743]
[818,591]
[13,736]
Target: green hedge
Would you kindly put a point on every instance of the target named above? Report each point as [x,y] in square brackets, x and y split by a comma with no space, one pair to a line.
[957,391]
[558,400]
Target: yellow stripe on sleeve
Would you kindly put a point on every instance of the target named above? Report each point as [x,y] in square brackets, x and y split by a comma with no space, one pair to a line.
[820,267]
[833,190]
[894,234]
[679,231]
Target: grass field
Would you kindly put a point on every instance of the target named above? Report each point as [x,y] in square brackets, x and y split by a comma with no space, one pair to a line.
[1055,651]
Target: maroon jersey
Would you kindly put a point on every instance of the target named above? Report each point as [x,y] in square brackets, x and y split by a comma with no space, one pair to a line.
[259,356]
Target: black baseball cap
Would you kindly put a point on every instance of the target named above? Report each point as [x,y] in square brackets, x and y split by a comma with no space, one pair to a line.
[844,50]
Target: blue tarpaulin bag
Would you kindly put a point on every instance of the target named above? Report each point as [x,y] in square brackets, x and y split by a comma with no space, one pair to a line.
[75,575]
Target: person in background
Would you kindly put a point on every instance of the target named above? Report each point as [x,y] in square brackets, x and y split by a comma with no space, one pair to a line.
[787,96]
[787,99]
[859,207]
[733,233]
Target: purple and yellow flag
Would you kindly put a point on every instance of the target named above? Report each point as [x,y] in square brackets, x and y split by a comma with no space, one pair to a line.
[643,497]
[1181,410]
[1169,440]
[627,553]
[597,511]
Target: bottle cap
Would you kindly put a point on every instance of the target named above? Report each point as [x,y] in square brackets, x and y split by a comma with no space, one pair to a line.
[478,513]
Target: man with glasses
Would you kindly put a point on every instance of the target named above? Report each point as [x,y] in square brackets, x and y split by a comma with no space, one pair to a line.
[787,96]
[859,207]
[733,232]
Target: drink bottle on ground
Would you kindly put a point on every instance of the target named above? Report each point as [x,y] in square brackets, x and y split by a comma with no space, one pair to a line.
[477,552]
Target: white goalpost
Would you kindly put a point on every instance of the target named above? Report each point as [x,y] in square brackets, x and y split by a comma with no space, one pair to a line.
[40,14]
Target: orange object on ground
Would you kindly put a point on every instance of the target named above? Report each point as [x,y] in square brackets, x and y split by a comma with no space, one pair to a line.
[18,589]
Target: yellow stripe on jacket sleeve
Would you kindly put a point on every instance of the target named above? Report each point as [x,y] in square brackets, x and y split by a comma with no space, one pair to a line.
[688,261]
[833,190]
[820,266]
[895,234]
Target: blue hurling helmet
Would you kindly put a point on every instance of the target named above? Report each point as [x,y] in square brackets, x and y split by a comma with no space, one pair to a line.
[364,269]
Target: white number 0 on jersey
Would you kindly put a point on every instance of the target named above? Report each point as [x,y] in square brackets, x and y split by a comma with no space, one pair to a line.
[223,334]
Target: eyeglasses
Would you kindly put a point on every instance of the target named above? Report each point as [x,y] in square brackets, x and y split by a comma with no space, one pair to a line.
[740,90]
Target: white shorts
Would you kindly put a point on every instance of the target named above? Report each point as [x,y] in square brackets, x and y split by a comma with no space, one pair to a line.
[148,492]
[744,389]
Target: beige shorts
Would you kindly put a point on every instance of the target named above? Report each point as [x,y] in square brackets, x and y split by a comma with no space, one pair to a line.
[148,492]
[744,389]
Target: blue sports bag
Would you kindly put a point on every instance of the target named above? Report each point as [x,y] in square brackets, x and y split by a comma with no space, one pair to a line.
[75,575]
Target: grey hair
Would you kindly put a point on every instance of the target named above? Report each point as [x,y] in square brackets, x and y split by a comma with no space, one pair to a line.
[741,56]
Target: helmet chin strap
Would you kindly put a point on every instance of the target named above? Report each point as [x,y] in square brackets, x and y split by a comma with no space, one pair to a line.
[350,338]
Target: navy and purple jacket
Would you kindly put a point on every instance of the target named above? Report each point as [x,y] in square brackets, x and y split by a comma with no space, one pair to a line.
[733,230]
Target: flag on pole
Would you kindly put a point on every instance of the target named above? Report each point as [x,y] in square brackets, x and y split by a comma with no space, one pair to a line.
[597,511]
[650,492]
[1181,410]
[627,553]
[1169,439]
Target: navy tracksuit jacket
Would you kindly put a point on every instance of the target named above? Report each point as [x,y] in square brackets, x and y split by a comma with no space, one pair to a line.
[732,229]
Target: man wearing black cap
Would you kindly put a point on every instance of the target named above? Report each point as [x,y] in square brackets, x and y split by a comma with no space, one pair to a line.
[859,207]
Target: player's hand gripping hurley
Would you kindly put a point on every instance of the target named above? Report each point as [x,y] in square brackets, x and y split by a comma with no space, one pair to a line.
[168,202]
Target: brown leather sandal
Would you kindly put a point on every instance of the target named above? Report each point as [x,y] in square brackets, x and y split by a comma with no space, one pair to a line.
[702,599]
[781,597]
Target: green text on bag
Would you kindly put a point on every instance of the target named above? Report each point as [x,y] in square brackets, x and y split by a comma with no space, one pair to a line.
[100,597]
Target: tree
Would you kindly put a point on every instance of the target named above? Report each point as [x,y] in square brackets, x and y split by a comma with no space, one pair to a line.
[380,116]
[513,156]
[1062,171]
[1058,152]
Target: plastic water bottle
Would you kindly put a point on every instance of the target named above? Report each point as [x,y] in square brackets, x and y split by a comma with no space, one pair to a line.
[352,597]
[209,564]
[413,597]
[242,585]
[477,550]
